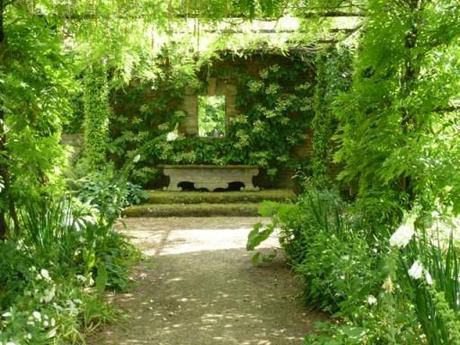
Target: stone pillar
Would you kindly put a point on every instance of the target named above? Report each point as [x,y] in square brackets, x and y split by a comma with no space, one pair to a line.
[189,125]
[230,103]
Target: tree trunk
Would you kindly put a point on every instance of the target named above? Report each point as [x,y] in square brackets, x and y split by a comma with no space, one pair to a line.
[409,77]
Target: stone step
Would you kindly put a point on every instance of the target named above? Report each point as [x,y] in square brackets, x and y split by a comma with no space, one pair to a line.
[193,210]
[196,197]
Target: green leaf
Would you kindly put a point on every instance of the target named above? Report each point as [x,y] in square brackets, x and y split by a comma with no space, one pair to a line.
[256,258]
[258,235]
[102,277]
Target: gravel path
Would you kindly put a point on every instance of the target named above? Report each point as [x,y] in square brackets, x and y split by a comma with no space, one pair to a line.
[197,286]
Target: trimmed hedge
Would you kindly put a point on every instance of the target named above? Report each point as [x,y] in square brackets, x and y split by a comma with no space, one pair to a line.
[167,197]
[193,210]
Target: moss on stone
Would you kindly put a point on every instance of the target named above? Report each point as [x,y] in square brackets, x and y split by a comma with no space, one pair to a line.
[193,210]
[167,197]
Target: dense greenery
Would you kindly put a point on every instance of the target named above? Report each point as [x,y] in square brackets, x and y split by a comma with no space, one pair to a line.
[344,270]
[211,116]
[54,272]
[396,125]
[401,289]
[96,116]
[385,262]
[274,110]
[333,70]
[383,257]
[58,254]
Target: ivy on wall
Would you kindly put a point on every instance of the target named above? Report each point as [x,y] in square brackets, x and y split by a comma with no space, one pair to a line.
[144,112]
[278,100]
[274,111]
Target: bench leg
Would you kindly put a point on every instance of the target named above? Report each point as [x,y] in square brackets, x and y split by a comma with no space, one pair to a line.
[173,185]
[249,186]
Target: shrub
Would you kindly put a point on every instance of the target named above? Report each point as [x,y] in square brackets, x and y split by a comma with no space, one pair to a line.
[345,263]
[54,270]
[109,193]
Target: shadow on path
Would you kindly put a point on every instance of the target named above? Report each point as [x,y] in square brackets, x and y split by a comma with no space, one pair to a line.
[198,287]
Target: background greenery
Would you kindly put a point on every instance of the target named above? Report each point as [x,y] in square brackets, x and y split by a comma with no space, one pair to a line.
[387,114]
[391,129]
[274,111]
[211,116]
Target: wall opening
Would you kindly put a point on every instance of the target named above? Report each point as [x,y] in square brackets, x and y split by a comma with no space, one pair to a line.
[211,116]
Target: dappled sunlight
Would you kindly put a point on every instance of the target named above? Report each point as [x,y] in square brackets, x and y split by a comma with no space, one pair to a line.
[188,237]
[199,287]
[197,240]
[141,140]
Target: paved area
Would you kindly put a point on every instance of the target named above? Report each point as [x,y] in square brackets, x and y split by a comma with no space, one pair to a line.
[197,286]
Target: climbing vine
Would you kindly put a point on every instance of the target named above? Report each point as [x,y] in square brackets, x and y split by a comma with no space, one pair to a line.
[147,109]
[96,116]
[276,111]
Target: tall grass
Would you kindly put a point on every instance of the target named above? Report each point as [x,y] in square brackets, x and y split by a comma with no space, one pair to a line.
[436,296]
[48,226]
[56,266]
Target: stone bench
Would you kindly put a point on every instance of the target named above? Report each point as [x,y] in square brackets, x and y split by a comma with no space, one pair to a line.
[210,177]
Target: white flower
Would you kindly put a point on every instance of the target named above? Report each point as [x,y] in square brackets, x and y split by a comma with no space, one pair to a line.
[402,235]
[171,136]
[48,295]
[45,274]
[81,278]
[73,310]
[428,278]
[37,316]
[371,300]
[435,214]
[416,270]
[7,314]
[136,159]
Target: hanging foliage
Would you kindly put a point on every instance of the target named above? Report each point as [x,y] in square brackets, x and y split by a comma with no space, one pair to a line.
[397,127]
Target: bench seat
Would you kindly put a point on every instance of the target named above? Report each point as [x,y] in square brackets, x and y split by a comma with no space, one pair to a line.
[210,177]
